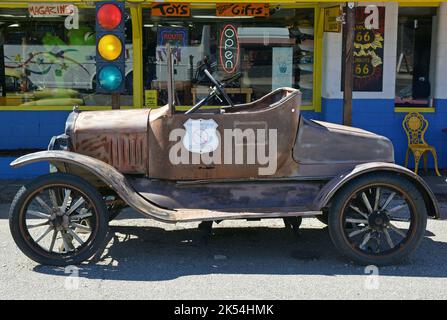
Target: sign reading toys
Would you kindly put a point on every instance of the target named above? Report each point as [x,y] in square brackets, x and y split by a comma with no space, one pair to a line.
[368,49]
[162,9]
[242,9]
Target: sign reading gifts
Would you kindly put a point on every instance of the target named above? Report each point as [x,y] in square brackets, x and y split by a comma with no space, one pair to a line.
[162,9]
[242,9]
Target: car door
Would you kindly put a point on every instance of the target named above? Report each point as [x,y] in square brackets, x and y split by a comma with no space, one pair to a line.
[255,142]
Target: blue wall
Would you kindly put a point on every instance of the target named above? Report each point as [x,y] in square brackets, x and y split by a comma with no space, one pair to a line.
[28,130]
[33,129]
[378,116]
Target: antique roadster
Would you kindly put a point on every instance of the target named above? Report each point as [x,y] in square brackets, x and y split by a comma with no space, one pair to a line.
[243,161]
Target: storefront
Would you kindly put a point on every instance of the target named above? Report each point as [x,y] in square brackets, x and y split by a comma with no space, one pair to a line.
[47,57]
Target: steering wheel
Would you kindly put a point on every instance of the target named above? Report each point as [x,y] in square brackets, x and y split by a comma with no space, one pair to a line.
[220,87]
[231,79]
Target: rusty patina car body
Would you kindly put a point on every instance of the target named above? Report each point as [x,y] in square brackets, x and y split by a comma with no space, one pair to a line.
[126,153]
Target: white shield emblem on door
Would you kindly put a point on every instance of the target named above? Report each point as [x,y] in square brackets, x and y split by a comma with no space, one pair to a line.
[201,135]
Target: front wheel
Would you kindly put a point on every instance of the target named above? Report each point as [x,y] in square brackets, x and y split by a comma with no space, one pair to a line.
[378,219]
[58,219]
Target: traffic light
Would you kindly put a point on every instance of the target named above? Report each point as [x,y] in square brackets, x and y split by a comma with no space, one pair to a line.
[110,47]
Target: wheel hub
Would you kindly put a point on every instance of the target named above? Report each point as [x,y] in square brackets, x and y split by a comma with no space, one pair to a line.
[59,221]
[378,220]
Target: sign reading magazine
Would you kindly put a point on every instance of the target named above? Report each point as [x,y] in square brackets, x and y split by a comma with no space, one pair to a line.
[368,49]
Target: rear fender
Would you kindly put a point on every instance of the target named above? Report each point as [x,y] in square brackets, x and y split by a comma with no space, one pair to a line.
[106,173]
[326,194]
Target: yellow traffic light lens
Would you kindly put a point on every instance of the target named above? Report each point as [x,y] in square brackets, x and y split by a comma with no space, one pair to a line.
[110,47]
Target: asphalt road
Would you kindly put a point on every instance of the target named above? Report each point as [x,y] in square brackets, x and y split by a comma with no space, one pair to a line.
[243,260]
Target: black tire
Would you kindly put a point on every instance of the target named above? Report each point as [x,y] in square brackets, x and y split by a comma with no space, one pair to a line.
[414,201]
[323,218]
[113,213]
[20,231]
[293,223]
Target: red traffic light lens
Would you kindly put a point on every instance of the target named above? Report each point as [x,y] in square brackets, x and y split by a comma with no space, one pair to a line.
[109,16]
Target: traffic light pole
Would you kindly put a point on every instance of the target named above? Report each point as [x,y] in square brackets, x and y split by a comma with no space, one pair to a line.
[116,101]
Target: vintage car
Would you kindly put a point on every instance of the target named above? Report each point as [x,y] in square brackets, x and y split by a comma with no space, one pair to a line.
[246,161]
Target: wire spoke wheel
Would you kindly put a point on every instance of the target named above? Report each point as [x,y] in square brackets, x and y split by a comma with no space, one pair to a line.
[58,219]
[378,219]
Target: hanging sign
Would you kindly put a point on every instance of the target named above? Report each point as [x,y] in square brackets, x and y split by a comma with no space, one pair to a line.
[150,98]
[162,9]
[50,10]
[242,9]
[282,67]
[368,49]
[229,48]
[56,10]
[332,21]
[176,37]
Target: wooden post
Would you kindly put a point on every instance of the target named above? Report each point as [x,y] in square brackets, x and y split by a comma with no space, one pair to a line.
[170,79]
[349,64]
[116,103]
[2,62]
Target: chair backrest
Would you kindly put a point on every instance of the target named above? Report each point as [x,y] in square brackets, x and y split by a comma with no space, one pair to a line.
[415,126]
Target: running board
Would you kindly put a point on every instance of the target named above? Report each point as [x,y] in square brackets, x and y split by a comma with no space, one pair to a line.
[190,215]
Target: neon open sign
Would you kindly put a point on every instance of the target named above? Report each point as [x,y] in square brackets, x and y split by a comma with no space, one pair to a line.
[229,49]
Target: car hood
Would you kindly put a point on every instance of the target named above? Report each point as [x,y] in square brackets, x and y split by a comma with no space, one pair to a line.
[117,137]
[320,142]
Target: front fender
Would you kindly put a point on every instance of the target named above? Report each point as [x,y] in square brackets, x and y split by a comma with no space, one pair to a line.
[108,174]
[330,189]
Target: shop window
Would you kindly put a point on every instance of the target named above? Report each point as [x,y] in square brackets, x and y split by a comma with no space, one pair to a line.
[268,52]
[47,64]
[414,48]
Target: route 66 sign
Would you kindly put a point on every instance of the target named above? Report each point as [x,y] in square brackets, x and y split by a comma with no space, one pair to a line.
[201,136]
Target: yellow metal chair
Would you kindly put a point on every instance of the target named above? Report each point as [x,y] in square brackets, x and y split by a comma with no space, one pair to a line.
[415,126]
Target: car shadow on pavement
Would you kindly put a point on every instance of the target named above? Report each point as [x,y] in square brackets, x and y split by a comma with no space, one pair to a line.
[155,254]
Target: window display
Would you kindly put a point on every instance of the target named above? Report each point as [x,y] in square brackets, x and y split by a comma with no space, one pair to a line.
[269,51]
[414,46]
[50,63]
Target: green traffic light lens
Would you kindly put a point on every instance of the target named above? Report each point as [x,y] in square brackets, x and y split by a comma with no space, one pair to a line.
[110,78]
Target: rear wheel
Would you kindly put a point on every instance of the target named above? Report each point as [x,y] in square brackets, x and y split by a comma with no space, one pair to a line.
[58,219]
[377,219]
